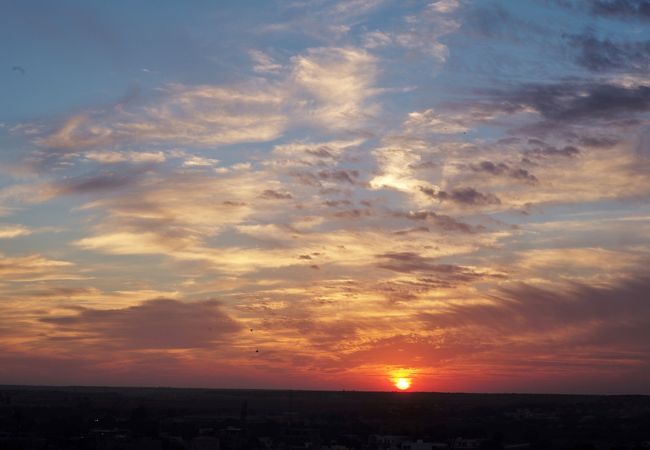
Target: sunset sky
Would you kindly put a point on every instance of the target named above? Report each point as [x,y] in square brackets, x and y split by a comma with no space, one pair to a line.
[326,194]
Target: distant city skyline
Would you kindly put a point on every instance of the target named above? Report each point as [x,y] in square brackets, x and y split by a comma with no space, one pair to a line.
[446,195]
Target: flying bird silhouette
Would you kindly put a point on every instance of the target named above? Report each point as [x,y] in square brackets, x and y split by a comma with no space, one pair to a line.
[19,69]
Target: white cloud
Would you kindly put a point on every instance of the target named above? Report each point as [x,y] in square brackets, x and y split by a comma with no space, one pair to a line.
[199,161]
[444,6]
[113,157]
[396,173]
[195,115]
[327,87]
[9,231]
[36,267]
[338,83]
[420,33]
[263,62]
[431,122]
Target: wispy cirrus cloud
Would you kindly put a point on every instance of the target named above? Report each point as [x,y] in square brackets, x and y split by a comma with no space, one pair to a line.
[327,87]
[198,115]
[35,267]
[420,33]
[9,231]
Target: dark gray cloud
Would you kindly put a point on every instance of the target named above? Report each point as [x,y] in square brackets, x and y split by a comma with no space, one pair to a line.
[529,308]
[541,149]
[632,10]
[564,103]
[336,203]
[407,262]
[353,213]
[270,194]
[440,221]
[159,323]
[440,275]
[466,196]
[491,21]
[344,176]
[575,101]
[424,165]
[310,178]
[503,170]
[622,9]
[411,230]
[322,334]
[322,152]
[598,141]
[101,182]
[607,55]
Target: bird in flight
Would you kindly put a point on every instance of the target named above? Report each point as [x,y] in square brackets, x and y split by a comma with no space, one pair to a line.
[19,69]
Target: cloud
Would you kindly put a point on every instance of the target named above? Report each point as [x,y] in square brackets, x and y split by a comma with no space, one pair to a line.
[466,196]
[503,169]
[10,231]
[411,349]
[263,62]
[116,157]
[325,20]
[102,182]
[154,324]
[270,194]
[199,161]
[335,85]
[307,154]
[541,149]
[526,308]
[561,162]
[420,33]
[444,6]
[577,101]
[537,109]
[36,267]
[440,221]
[601,55]
[621,9]
[410,262]
[326,87]
[397,169]
[193,115]
[168,203]
[429,121]
[581,264]
[340,175]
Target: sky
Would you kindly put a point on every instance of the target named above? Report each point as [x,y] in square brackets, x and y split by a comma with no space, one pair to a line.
[326,194]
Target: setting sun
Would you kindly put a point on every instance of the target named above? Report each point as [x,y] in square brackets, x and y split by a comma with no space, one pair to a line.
[401,378]
[402,383]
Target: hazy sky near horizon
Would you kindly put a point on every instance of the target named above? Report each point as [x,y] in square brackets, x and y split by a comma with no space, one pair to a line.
[326,194]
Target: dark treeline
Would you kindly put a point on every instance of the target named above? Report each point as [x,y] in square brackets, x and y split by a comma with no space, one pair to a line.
[165,418]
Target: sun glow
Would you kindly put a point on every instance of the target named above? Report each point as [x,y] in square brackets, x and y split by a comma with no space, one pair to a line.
[403,384]
[402,378]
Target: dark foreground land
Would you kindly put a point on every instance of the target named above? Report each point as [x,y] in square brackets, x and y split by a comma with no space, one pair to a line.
[161,418]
